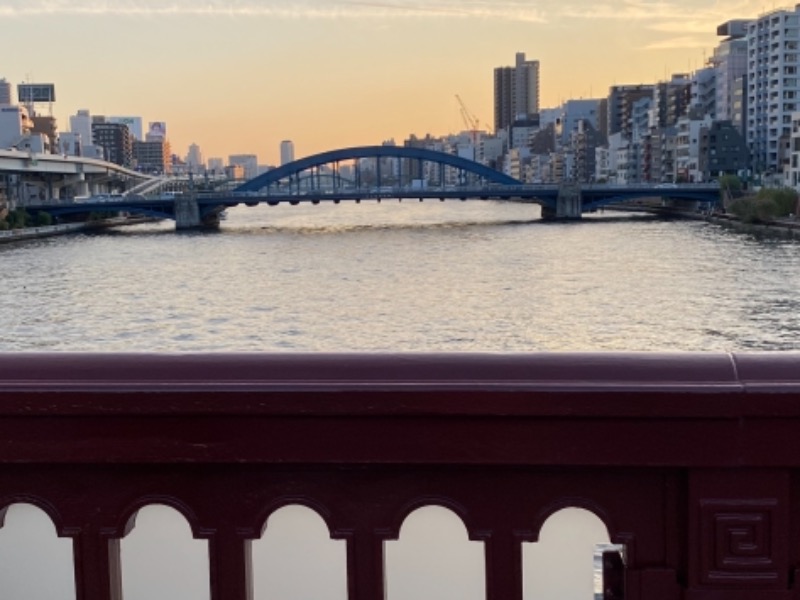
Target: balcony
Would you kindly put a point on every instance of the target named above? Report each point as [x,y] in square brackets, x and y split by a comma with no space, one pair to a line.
[692,461]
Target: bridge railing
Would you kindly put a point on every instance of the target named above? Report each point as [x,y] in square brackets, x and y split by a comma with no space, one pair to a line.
[692,461]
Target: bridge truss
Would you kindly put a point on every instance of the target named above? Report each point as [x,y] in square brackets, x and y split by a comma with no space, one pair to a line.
[375,168]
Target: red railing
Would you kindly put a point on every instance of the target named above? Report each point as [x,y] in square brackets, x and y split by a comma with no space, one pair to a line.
[690,460]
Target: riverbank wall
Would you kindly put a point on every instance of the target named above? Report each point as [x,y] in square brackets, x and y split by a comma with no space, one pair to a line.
[34,233]
[786,227]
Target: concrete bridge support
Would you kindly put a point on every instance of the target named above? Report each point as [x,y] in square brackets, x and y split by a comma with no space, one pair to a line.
[187,213]
[569,204]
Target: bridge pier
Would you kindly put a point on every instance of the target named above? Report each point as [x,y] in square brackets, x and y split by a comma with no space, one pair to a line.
[187,213]
[569,204]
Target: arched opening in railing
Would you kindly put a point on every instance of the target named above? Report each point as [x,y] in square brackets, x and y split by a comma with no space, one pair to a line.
[566,562]
[35,564]
[161,559]
[434,558]
[296,559]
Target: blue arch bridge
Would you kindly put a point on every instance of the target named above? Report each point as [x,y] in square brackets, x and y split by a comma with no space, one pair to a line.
[382,172]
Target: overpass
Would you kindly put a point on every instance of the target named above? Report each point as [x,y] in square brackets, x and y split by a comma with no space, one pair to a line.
[383,172]
[47,178]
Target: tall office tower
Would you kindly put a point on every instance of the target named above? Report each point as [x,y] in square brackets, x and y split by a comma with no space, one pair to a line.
[730,63]
[773,87]
[516,92]
[5,92]
[287,151]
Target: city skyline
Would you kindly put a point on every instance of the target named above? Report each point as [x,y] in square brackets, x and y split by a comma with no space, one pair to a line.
[240,77]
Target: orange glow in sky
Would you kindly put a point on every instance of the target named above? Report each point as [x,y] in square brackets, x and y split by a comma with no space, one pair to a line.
[239,76]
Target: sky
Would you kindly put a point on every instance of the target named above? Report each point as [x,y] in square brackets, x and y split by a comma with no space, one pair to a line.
[239,76]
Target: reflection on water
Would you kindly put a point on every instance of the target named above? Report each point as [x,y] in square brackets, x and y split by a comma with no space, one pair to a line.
[454,276]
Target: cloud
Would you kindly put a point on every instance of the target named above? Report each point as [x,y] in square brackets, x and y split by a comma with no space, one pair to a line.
[516,10]
[678,43]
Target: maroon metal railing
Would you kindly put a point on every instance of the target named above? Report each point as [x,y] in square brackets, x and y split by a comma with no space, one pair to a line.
[691,460]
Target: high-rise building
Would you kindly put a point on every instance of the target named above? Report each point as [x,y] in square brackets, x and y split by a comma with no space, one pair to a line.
[671,100]
[194,159]
[704,92]
[730,63]
[287,151]
[5,92]
[621,100]
[773,87]
[516,92]
[115,139]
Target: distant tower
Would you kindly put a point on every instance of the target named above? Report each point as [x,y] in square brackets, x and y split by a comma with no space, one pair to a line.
[5,92]
[194,159]
[516,91]
[287,151]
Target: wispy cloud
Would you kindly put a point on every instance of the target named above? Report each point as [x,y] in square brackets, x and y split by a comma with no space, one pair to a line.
[688,23]
[518,10]
[678,43]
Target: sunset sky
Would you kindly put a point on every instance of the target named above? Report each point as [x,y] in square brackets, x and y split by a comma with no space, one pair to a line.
[239,76]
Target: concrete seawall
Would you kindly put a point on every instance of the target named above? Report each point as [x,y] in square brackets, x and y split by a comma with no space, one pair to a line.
[786,228]
[34,233]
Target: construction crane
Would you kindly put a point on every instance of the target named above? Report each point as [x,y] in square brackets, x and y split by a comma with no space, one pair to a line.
[471,122]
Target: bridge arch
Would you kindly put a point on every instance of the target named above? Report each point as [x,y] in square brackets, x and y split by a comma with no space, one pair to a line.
[293,169]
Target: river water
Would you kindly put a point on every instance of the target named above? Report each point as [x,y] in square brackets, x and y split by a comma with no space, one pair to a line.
[391,276]
[471,276]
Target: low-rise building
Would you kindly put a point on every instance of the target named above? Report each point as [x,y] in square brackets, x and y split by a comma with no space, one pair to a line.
[723,150]
[153,157]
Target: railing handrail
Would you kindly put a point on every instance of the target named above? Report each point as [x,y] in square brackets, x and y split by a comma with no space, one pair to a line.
[690,460]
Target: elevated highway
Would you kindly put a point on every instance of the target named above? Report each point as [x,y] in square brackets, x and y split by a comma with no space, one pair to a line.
[29,177]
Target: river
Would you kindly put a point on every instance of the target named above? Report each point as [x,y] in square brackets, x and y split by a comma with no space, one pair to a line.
[471,276]
[410,276]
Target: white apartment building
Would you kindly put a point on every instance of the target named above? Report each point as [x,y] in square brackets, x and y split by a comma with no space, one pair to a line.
[773,85]
[602,167]
[792,173]
[687,149]
[15,126]
[81,123]
[704,92]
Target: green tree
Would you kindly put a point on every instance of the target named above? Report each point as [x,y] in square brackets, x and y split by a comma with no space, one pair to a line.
[732,184]
[44,219]
[767,205]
